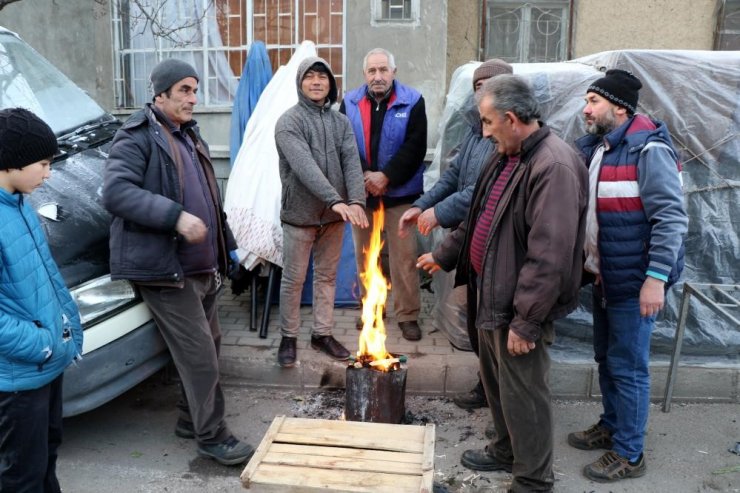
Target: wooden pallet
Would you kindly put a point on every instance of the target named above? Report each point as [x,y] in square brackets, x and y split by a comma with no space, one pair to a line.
[312,455]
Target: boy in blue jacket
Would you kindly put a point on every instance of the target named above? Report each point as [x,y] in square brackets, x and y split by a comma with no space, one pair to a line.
[40,331]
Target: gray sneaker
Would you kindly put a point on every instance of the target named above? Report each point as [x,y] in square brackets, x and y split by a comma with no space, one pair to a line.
[230,452]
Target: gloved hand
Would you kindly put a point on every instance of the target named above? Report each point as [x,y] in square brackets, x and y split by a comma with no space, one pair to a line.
[233,265]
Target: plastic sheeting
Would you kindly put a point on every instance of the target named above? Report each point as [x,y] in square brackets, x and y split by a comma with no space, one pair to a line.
[252,200]
[256,75]
[701,106]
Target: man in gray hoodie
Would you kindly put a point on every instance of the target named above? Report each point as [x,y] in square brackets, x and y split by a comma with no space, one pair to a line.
[322,188]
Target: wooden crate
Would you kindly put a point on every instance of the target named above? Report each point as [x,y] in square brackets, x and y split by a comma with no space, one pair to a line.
[312,455]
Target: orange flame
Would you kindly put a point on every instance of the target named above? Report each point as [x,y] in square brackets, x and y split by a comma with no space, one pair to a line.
[372,337]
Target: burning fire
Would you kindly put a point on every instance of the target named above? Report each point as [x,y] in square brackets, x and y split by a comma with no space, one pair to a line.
[372,337]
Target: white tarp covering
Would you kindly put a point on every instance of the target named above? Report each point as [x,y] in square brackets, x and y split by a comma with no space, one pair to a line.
[252,200]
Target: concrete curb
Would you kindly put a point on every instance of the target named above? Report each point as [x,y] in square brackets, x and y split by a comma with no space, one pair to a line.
[445,374]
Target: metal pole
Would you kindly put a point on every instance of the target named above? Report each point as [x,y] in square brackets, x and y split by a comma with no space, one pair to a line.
[677,342]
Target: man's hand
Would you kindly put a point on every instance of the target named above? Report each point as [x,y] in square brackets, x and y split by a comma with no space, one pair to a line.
[191,227]
[518,346]
[427,221]
[407,219]
[426,262]
[376,182]
[652,296]
[354,213]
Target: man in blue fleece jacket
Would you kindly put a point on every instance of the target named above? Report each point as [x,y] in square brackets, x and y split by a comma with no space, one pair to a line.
[635,230]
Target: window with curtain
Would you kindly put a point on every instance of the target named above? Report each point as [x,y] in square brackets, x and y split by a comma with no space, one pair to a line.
[728,26]
[214,36]
[395,12]
[535,31]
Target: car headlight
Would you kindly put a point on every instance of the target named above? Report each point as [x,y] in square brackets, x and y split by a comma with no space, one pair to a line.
[102,298]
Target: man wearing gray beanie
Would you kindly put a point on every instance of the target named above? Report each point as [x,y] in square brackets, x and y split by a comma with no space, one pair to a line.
[169,236]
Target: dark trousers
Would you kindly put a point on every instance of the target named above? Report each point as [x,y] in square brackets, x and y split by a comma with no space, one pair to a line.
[188,321]
[30,434]
[518,394]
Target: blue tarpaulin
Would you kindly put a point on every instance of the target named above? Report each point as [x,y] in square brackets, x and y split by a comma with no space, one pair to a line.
[256,75]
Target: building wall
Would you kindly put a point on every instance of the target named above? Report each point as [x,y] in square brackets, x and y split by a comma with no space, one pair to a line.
[420,52]
[463,33]
[602,25]
[74,35]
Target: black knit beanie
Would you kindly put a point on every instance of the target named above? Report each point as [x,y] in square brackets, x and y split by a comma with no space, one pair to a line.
[24,139]
[169,72]
[620,87]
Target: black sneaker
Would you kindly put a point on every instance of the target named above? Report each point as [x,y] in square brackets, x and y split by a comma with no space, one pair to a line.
[410,330]
[330,346]
[479,460]
[287,352]
[230,452]
[184,429]
[474,399]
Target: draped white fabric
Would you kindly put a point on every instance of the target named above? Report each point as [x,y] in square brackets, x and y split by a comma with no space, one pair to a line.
[252,200]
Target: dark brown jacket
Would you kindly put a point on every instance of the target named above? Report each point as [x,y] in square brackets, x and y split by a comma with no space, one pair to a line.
[532,263]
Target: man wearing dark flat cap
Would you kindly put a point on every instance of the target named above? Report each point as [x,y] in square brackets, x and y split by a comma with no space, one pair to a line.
[169,236]
[634,249]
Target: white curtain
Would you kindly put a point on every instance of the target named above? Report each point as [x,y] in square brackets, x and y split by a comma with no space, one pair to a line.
[201,47]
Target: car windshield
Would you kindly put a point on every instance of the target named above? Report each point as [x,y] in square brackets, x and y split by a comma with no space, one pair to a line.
[29,81]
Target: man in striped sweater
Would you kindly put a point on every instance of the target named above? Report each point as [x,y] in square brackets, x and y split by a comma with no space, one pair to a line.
[520,253]
[635,228]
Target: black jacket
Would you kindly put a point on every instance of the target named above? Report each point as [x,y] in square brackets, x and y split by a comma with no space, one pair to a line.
[142,190]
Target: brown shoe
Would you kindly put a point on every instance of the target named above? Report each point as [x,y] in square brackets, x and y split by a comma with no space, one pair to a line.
[410,330]
[594,438]
[612,467]
[330,346]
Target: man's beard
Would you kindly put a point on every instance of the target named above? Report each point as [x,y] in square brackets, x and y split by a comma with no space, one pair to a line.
[604,125]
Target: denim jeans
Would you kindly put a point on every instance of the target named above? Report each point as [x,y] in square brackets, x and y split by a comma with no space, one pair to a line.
[30,433]
[326,243]
[622,352]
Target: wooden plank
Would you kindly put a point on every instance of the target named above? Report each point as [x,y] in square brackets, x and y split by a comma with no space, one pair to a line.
[427,461]
[341,463]
[358,429]
[304,479]
[345,452]
[377,443]
[262,449]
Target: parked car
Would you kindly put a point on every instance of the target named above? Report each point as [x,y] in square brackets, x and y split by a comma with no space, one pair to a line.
[122,345]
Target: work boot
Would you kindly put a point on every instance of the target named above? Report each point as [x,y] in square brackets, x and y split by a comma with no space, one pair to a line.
[410,330]
[287,352]
[230,452]
[612,467]
[330,346]
[595,437]
[480,460]
[473,399]
[184,429]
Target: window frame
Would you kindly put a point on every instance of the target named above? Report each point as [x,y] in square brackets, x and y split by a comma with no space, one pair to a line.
[721,29]
[377,19]
[523,54]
